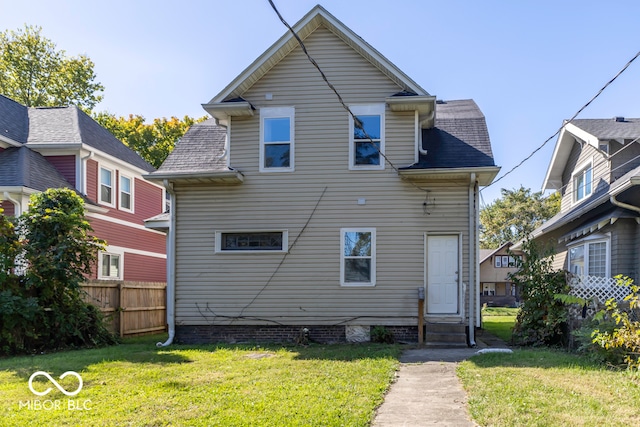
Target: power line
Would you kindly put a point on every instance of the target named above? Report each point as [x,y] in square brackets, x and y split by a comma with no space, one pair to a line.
[356,122]
[567,122]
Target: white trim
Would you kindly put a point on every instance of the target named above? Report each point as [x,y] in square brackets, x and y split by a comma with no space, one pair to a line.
[218,242]
[372,257]
[131,192]
[367,110]
[112,251]
[137,252]
[122,222]
[581,170]
[111,203]
[595,238]
[280,113]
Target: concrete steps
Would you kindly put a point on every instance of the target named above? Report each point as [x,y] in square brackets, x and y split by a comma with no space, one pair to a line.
[445,335]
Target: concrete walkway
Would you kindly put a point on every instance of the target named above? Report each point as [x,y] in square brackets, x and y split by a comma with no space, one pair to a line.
[427,391]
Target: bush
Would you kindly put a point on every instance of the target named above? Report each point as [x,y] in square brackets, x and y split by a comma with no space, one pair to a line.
[382,335]
[41,308]
[616,332]
[542,319]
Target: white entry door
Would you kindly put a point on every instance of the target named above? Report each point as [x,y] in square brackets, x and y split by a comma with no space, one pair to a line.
[442,276]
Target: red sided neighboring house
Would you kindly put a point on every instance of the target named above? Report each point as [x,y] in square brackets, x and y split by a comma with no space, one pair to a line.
[46,147]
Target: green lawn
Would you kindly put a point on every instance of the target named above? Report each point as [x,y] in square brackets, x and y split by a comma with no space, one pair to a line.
[135,384]
[499,321]
[548,388]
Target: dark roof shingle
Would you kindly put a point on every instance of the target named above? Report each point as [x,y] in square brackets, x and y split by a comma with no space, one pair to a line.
[459,139]
[23,167]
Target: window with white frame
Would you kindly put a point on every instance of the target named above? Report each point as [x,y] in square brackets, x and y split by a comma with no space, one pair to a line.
[277,139]
[366,137]
[582,183]
[106,186]
[358,256]
[251,241]
[110,266]
[590,258]
[126,193]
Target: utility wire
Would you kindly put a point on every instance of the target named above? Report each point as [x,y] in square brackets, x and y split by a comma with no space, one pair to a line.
[567,122]
[357,123]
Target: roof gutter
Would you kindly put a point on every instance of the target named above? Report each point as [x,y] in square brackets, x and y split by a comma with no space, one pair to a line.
[171,268]
[616,202]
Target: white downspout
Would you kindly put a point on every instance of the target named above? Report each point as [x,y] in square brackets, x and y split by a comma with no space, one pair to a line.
[171,264]
[615,202]
[472,250]
[17,210]
[83,172]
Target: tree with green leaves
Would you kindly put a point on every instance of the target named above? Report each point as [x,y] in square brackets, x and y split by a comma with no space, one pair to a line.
[153,141]
[515,215]
[42,308]
[36,74]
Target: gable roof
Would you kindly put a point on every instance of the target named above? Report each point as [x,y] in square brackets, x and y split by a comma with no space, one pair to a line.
[231,95]
[590,131]
[14,122]
[486,253]
[44,126]
[589,206]
[200,155]
[22,167]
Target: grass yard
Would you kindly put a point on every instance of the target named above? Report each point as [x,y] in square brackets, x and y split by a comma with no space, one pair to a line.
[136,384]
[499,321]
[548,388]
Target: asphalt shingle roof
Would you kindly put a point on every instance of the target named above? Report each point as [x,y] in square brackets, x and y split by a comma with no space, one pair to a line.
[59,125]
[23,167]
[459,139]
[14,122]
[199,150]
[604,129]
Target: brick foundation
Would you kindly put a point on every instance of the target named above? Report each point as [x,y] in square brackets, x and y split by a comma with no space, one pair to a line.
[205,334]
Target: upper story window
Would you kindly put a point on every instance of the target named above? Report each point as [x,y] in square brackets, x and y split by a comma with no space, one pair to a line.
[277,139]
[358,256]
[590,258]
[126,193]
[366,141]
[106,186]
[507,261]
[583,183]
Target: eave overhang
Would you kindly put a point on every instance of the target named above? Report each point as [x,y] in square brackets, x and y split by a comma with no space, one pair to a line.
[222,111]
[484,175]
[229,177]
[425,105]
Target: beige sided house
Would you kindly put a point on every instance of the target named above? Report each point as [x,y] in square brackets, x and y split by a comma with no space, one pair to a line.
[285,215]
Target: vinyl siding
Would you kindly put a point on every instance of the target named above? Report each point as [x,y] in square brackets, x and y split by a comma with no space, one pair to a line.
[622,161]
[129,237]
[66,165]
[623,248]
[304,286]
[9,208]
[140,268]
[580,155]
[92,180]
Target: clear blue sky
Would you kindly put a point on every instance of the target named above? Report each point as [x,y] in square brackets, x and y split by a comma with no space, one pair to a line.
[527,64]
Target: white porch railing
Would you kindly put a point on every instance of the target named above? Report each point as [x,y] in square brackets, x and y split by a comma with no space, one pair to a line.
[597,288]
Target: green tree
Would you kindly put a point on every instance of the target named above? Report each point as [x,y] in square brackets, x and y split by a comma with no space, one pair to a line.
[43,308]
[515,215]
[153,141]
[35,74]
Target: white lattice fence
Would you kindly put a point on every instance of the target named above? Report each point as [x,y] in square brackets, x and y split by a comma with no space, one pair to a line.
[597,288]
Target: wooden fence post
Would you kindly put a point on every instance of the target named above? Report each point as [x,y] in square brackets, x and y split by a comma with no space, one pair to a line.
[121,290]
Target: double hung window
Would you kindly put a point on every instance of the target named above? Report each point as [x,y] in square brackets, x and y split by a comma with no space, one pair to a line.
[590,258]
[358,256]
[277,139]
[583,183]
[366,140]
[126,193]
[106,186]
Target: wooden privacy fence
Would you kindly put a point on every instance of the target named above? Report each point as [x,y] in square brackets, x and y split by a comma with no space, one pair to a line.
[130,308]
